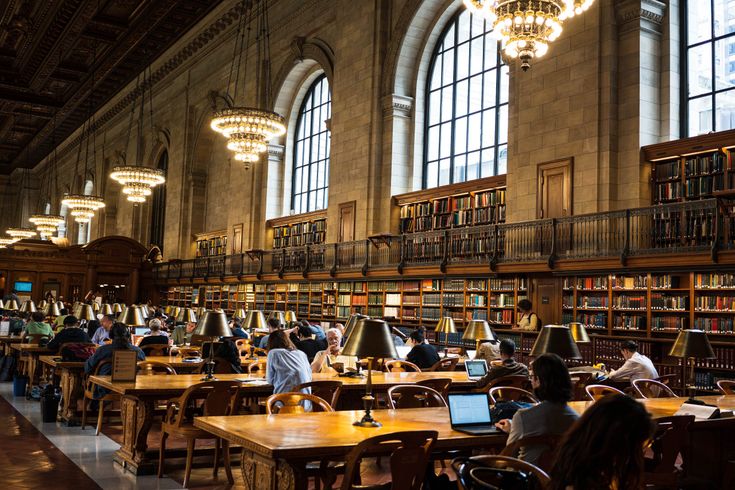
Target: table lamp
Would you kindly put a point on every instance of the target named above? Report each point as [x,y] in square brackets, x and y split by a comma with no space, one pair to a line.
[186,315]
[254,320]
[446,326]
[691,345]
[132,316]
[116,308]
[28,306]
[351,322]
[52,310]
[239,313]
[579,333]
[86,313]
[106,309]
[370,339]
[12,305]
[200,311]
[175,311]
[213,325]
[95,307]
[556,339]
[41,305]
[60,305]
[2,305]
[279,315]
[479,330]
[291,316]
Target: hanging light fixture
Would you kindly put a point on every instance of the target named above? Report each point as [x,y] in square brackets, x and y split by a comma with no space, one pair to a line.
[249,129]
[47,224]
[526,27]
[83,207]
[138,180]
[20,233]
[5,242]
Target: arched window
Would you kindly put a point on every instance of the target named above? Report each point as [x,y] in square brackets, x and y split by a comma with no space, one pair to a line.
[158,215]
[466,129]
[311,150]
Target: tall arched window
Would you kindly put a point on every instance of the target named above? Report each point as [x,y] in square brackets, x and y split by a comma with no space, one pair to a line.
[466,124]
[158,216]
[311,150]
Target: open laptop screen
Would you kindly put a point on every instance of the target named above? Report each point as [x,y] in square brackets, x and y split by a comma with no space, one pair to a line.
[469,408]
[476,369]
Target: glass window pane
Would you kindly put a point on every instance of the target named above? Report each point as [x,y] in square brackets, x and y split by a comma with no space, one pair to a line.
[445,146]
[491,52]
[699,21]
[473,165]
[448,67]
[488,96]
[504,84]
[434,107]
[433,144]
[724,17]
[487,163]
[502,159]
[446,104]
[474,132]
[724,64]
[460,136]
[463,61]
[725,107]
[463,27]
[700,70]
[462,95]
[700,115]
[436,73]
[476,93]
[459,169]
[488,128]
[476,59]
[503,124]
[444,166]
[432,174]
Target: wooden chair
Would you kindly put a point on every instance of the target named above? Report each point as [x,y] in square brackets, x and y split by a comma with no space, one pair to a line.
[148,368]
[89,389]
[548,441]
[209,398]
[327,390]
[399,366]
[413,446]
[511,393]
[243,347]
[595,392]
[579,383]
[414,396]
[155,350]
[726,386]
[470,471]
[445,364]
[439,384]
[669,444]
[36,339]
[650,388]
[257,351]
[190,352]
[517,381]
[291,403]
[258,365]
[667,379]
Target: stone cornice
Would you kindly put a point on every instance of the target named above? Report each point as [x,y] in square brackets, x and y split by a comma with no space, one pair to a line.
[395,105]
[648,14]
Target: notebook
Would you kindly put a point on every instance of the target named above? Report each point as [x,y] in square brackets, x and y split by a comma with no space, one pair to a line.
[470,413]
[476,369]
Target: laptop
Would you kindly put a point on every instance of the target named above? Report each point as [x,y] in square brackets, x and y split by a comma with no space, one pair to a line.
[403,350]
[476,369]
[470,413]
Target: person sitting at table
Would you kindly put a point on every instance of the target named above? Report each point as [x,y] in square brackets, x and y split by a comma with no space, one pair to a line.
[70,334]
[636,366]
[59,321]
[506,367]
[318,331]
[237,330]
[155,336]
[325,360]
[155,329]
[553,387]
[490,351]
[120,340]
[227,351]
[307,343]
[422,354]
[37,326]
[527,320]
[16,323]
[273,325]
[605,448]
[183,332]
[102,335]
[286,367]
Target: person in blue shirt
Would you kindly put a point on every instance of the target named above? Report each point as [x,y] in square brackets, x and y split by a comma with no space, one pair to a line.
[237,330]
[120,336]
[103,332]
[287,367]
[317,331]
[273,325]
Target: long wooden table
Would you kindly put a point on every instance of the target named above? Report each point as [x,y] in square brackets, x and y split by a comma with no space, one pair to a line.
[138,402]
[276,448]
[7,340]
[71,375]
[30,353]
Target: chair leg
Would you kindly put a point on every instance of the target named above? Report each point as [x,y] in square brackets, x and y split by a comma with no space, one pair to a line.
[99,417]
[189,460]
[226,457]
[85,401]
[162,454]
[215,469]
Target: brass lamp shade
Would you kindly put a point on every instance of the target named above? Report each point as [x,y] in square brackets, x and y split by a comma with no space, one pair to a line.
[95,307]
[28,306]
[186,315]
[692,344]
[479,330]
[579,333]
[2,305]
[446,326]
[41,305]
[12,305]
[60,305]
[168,309]
[254,319]
[175,311]
[86,313]
[291,316]
[52,309]
[200,311]
[116,308]
[106,309]
[132,316]
[279,315]
[240,313]
[370,338]
[351,322]
[214,324]
[556,339]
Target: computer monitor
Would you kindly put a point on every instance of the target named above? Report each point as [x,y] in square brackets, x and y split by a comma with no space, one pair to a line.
[23,286]
[468,408]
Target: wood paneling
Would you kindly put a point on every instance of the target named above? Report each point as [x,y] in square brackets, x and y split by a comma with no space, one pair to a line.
[554,195]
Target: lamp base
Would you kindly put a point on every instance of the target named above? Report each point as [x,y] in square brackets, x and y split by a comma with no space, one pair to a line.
[367,421]
[209,377]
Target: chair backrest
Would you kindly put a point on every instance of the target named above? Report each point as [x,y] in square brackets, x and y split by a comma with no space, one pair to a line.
[414,396]
[669,441]
[650,388]
[399,366]
[667,379]
[243,347]
[327,390]
[407,461]
[516,380]
[217,399]
[155,349]
[190,352]
[37,339]
[477,471]
[257,351]
[548,442]
[439,384]
[258,365]
[445,364]
[88,385]
[579,382]
[292,403]
[726,386]
[595,392]
[154,367]
[511,393]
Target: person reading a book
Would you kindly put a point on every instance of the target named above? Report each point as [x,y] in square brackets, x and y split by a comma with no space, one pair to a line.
[527,320]
[636,366]
[330,360]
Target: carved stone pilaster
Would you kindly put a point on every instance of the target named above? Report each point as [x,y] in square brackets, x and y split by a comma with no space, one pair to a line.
[397,106]
[644,15]
[276,152]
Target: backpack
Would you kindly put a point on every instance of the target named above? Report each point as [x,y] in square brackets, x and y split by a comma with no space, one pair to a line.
[7,368]
[77,352]
[506,410]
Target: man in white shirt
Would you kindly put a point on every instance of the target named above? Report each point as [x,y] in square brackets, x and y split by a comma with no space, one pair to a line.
[637,366]
[323,360]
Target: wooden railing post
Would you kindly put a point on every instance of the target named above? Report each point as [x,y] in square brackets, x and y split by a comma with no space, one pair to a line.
[333,269]
[552,253]
[715,246]
[494,256]
[445,255]
[364,269]
[259,274]
[307,261]
[402,251]
[626,247]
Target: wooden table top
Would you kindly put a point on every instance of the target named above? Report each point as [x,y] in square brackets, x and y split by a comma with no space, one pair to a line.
[147,385]
[32,348]
[56,362]
[179,362]
[665,407]
[314,435]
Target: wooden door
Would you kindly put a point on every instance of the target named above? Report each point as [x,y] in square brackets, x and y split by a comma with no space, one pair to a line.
[546,298]
[554,194]
[347,221]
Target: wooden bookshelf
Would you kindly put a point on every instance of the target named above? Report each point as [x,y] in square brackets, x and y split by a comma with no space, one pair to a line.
[299,230]
[472,203]
[211,244]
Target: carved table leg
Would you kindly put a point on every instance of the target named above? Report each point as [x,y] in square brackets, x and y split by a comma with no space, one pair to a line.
[260,473]
[71,393]
[137,415]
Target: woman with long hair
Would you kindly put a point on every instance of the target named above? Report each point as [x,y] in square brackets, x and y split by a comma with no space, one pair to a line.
[286,367]
[604,449]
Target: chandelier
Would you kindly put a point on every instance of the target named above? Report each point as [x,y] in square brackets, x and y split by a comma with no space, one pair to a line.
[526,27]
[46,224]
[137,182]
[83,207]
[20,233]
[248,130]
[4,242]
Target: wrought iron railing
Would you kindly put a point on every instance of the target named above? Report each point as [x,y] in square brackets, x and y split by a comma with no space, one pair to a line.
[695,226]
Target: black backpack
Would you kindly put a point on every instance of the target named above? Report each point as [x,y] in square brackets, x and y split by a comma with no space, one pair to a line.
[7,368]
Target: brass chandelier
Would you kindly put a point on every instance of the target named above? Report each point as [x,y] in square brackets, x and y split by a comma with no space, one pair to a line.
[526,27]
[82,206]
[249,129]
[20,233]
[5,242]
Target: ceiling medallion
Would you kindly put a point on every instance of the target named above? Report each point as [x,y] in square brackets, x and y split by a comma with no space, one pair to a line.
[137,182]
[526,27]
[83,207]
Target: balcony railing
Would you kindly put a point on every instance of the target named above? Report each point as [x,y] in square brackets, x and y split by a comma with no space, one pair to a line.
[686,227]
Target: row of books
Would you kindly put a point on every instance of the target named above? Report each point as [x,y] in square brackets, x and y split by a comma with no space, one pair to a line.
[666,281]
[667,191]
[705,185]
[630,302]
[211,246]
[673,323]
[704,164]
[714,303]
[707,380]
[714,325]
[595,282]
[502,300]
[501,317]
[669,170]
[592,302]
[706,281]
[631,322]
[630,282]
[666,302]
[724,358]
[592,320]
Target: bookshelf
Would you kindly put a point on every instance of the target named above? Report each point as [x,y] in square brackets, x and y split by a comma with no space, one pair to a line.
[473,203]
[211,244]
[299,230]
